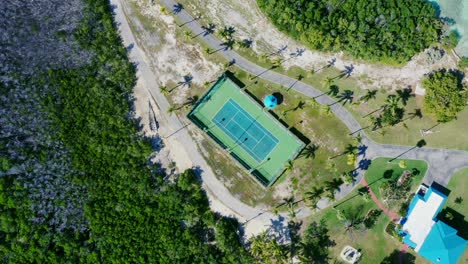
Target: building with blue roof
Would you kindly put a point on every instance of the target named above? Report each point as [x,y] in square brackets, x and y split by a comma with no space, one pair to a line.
[430,237]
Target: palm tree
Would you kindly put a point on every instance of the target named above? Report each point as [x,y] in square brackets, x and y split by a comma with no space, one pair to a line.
[245,43]
[228,44]
[187,35]
[350,149]
[392,102]
[352,220]
[164,11]
[370,94]
[309,151]
[171,109]
[311,72]
[313,196]
[327,81]
[300,105]
[332,186]
[404,95]
[331,166]
[164,90]
[289,166]
[346,96]
[207,50]
[348,177]
[276,62]
[326,109]
[359,138]
[226,32]
[208,29]
[289,202]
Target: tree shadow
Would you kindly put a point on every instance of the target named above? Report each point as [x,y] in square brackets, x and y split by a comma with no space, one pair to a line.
[279,97]
[279,51]
[361,150]
[246,43]
[333,90]
[299,52]
[398,257]
[348,70]
[364,164]
[187,81]
[405,95]
[421,143]
[388,174]
[207,30]
[278,229]
[177,8]
[456,220]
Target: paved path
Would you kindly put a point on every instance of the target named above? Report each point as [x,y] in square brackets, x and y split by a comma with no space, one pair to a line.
[215,189]
[392,215]
[442,162]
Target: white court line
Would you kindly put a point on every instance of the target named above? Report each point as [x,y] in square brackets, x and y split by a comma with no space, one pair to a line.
[264,130]
[247,116]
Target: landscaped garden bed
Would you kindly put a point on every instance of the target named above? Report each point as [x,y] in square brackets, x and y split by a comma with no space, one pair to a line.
[394,180]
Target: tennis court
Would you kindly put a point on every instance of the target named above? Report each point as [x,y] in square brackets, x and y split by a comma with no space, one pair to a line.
[249,134]
[245,130]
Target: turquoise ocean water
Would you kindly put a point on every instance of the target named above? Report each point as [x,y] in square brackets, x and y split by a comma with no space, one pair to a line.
[457,12]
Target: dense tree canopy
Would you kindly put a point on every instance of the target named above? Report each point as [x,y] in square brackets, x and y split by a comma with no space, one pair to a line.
[445,94]
[390,31]
[76,184]
[315,244]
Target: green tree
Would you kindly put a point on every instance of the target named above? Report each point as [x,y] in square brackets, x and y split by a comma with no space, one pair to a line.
[443,98]
[345,26]
[315,244]
[309,151]
[266,249]
[313,196]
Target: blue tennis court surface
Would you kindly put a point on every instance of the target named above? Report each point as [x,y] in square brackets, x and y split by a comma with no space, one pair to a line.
[245,130]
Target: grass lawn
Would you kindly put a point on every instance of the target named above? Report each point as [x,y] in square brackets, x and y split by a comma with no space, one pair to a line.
[374,243]
[376,174]
[458,186]
[405,133]
[310,121]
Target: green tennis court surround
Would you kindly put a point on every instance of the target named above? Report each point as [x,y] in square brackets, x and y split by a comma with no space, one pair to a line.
[251,135]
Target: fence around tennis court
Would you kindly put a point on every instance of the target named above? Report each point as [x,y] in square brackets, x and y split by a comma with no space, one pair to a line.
[265,181]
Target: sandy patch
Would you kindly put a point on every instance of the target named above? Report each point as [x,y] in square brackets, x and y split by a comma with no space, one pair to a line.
[247,19]
[173,59]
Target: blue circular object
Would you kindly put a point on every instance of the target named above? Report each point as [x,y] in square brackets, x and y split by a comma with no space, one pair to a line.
[270,101]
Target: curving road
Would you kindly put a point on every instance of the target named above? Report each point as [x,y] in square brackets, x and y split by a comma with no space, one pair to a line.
[443,163]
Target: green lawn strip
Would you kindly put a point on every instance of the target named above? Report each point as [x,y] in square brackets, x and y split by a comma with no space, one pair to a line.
[374,243]
[458,186]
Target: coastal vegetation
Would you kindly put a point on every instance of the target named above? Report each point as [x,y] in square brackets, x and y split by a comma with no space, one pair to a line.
[445,94]
[76,181]
[390,32]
